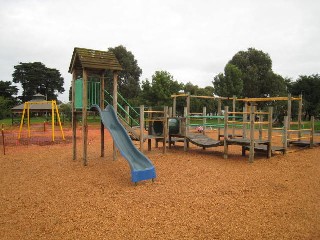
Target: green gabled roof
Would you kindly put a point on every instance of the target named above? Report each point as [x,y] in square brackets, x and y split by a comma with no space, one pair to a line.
[93,59]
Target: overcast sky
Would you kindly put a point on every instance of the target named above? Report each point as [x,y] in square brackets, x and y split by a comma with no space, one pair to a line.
[191,39]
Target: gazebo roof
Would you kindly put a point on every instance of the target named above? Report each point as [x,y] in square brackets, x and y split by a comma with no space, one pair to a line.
[94,60]
[42,105]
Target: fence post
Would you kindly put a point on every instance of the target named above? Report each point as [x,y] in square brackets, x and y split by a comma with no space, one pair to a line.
[3,142]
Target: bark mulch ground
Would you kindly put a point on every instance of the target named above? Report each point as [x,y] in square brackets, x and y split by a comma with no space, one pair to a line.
[44,194]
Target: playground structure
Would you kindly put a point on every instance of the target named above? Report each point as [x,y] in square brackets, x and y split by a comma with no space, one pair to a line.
[29,106]
[233,119]
[86,63]
[158,125]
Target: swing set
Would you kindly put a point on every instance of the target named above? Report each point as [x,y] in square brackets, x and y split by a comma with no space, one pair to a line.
[54,110]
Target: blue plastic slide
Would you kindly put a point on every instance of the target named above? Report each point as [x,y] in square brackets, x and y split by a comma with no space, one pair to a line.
[141,166]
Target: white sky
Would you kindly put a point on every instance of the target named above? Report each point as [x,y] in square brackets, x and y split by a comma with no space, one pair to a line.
[191,39]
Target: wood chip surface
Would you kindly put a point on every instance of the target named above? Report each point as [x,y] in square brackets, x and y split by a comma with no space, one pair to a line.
[197,194]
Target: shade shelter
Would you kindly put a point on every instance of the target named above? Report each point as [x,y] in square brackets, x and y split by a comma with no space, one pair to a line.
[86,62]
[39,108]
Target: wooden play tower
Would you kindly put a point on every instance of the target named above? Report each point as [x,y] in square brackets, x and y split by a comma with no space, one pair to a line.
[85,63]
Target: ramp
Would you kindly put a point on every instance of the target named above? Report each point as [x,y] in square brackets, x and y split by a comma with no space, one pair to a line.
[202,140]
[141,167]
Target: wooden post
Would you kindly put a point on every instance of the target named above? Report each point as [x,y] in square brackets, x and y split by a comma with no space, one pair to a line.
[102,107]
[244,119]
[170,113]
[185,114]
[260,126]
[52,119]
[300,117]
[312,132]
[269,148]
[188,110]
[3,142]
[74,117]
[204,122]
[165,128]
[233,115]
[289,114]
[219,114]
[285,134]
[141,127]
[174,107]
[149,124]
[252,116]
[115,106]
[127,118]
[84,116]
[28,114]
[225,155]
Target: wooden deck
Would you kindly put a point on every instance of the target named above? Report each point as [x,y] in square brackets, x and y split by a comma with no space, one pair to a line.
[246,144]
[303,143]
[203,140]
[263,148]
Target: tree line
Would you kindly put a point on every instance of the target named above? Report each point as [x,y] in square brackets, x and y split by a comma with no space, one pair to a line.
[248,74]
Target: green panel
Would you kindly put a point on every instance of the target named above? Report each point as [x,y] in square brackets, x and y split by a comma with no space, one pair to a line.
[78,94]
[93,93]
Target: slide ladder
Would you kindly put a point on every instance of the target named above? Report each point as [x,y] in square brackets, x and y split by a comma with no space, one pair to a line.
[128,121]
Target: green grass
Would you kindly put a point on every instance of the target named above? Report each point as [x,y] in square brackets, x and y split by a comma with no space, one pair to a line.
[95,120]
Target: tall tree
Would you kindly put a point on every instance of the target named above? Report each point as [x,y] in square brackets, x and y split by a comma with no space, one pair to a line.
[7,90]
[254,69]
[8,98]
[159,91]
[37,78]
[309,87]
[129,78]
[230,83]
[197,104]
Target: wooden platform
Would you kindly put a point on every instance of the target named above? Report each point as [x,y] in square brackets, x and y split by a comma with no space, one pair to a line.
[263,148]
[203,140]
[303,143]
[245,143]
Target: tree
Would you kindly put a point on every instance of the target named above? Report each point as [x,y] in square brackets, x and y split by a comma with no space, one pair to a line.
[159,91]
[309,87]
[37,78]
[230,83]
[7,90]
[129,77]
[197,104]
[5,106]
[7,98]
[65,109]
[249,74]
